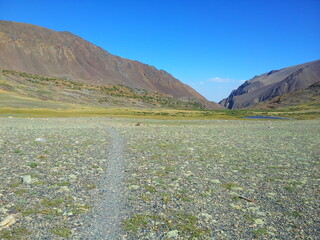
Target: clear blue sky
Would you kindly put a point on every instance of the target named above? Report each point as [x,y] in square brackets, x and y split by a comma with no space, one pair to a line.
[212,45]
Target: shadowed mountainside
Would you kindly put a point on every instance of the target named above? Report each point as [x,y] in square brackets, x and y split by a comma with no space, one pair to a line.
[34,49]
[309,97]
[272,84]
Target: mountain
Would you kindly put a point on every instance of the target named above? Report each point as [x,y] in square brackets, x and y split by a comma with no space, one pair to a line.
[272,84]
[306,98]
[37,50]
[25,90]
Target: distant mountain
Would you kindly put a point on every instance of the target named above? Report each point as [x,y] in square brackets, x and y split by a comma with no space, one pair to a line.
[272,84]
[33,49]
[306,98]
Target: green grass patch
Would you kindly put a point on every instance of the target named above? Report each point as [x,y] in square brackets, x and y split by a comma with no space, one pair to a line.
[136,222]
[15,233]
[66,183]
[52,202]
[21,191]
[33,164]
[260,232]
[170,114]
[229,185]
[61,231]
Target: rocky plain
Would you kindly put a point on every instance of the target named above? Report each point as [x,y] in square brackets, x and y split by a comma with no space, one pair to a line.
[109,178]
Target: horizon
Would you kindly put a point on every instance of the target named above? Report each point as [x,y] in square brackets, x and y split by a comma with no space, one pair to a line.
[213,47]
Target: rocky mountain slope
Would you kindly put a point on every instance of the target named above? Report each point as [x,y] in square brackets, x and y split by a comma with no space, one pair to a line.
[306,98]
[25,90]
[272,84]
[33,49]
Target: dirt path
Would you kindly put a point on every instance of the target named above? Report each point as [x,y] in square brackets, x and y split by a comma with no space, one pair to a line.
[105,220]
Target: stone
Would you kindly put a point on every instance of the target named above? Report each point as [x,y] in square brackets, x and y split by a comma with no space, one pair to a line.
[262,214]
[259,221]
[27,179]
[215,181]
[236,206]
[40,140]
[8,221]
[72,177]
[206,215]
[173,234]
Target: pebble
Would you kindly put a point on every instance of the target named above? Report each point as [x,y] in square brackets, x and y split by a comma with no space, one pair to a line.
[259,221]
[27,179]
[40,140]
[174,234]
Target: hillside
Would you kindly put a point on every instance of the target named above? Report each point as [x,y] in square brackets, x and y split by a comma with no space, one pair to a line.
[306,98]
[25,90]
[37,50]
[272,84]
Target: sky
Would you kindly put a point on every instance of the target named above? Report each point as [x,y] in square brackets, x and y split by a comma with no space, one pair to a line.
[211,45]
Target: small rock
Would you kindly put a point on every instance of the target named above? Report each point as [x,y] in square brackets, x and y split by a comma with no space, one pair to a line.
[259,221]
[273,229]
[72,177]
[173,234]
[8,221]
[271,194]
[206,215]
[263,214]
[64,189]
[215,181]
[40,140]
[253,209]
[3,210]
[236,206]
[26,179]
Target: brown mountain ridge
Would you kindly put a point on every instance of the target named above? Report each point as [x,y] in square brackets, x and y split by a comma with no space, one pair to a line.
[37,50]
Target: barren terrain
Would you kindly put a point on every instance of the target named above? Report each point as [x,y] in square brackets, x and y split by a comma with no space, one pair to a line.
[163,179]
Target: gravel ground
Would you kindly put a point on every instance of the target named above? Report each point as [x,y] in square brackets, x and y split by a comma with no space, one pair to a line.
[162,180]
[67,160]
[223,179]
[104,222]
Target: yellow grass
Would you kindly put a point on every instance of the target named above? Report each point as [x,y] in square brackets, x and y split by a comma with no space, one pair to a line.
[114,112]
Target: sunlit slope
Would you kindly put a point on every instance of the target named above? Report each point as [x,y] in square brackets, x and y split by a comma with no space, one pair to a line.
[46,89]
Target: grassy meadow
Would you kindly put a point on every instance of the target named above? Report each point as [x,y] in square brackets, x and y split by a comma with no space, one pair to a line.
[29,95]
[80,111]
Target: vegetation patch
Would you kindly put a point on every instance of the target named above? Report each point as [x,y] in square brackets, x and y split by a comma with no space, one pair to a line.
[61,231]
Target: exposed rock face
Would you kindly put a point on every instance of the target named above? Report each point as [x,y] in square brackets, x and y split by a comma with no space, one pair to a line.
[274,83]
[34,49]
[308,97]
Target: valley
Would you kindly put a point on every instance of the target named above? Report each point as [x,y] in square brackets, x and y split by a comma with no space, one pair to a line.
[97,146]
[198,179]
